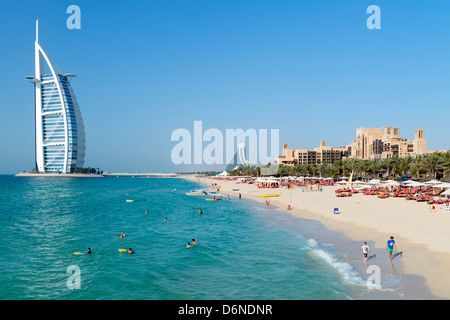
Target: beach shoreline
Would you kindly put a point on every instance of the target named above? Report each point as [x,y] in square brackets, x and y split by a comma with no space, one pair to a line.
[421,236]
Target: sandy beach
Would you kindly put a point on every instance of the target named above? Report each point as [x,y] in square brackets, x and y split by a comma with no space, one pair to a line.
[422,236]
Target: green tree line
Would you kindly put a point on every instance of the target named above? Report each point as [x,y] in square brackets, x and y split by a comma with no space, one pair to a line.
[436,165]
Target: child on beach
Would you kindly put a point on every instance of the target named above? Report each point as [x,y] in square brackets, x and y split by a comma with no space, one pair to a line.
[365,249]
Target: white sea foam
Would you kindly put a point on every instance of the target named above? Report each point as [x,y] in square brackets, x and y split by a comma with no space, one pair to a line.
[312,243]
[346,270]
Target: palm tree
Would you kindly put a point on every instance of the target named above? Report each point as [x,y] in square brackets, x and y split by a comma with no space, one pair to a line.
[389,164]
[433,163]
[376,167]
[446,164]
[353,165]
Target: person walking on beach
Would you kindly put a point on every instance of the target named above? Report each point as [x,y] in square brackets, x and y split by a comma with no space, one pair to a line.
[365,249]
[390,246]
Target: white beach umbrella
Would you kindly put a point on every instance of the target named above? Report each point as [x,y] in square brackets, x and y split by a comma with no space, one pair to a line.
[446,193]
[392,183]
[416,184]
[433,182]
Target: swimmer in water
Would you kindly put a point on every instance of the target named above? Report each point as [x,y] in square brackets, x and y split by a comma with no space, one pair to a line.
[130,251]
[89,251]
[122,235]
[193,242]
[146,211]
[200,211]
[165,219]
[188,245]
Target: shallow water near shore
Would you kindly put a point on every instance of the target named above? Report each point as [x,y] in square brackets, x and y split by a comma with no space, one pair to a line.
[244,250]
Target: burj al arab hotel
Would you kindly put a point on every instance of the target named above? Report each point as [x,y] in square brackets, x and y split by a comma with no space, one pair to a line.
[60,140]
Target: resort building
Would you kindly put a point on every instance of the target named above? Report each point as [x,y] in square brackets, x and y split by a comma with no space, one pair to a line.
[319,155]
[60,140]
[372,143]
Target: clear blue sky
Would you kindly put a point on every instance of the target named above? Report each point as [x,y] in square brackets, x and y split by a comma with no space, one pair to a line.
[311,69]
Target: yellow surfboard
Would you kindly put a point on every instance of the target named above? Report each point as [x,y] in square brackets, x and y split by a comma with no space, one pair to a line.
[123,250]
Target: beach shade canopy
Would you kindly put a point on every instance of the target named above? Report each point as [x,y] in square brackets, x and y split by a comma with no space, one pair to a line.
[391,183]
[343,178]
[446,193]
[443,185]
[414,184]
[374,181]
[433,182]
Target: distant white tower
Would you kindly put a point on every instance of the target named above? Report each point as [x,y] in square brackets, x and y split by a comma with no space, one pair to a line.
[239,159]
[242,157]
[60,140]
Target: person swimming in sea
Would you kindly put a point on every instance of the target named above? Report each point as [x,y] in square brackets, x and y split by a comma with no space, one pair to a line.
[130,251]
[193,242]
[89,251]
[122,235]
[200,211]
[188,245]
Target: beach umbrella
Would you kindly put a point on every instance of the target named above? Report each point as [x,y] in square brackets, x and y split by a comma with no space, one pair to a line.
[392,183]
[446,193]
[415,184]
[433,182]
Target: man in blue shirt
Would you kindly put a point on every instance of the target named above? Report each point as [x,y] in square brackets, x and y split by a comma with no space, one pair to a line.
[390,246]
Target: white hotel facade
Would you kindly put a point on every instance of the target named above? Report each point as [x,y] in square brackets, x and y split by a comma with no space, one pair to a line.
[60,138]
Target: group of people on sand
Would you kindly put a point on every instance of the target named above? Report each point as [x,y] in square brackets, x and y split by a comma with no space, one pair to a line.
[390,246]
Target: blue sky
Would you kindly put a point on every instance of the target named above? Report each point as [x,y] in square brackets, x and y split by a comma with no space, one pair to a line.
[311,69]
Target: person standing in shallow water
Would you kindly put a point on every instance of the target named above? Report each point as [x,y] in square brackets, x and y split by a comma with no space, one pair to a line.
[365,249]
[390,246]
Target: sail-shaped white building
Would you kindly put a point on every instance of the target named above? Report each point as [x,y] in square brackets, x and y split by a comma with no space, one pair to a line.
[60,139]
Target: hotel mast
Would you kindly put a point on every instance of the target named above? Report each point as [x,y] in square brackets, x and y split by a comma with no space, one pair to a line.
[60,141]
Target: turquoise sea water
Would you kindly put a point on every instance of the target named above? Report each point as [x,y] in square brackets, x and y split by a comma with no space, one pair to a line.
[244,250]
